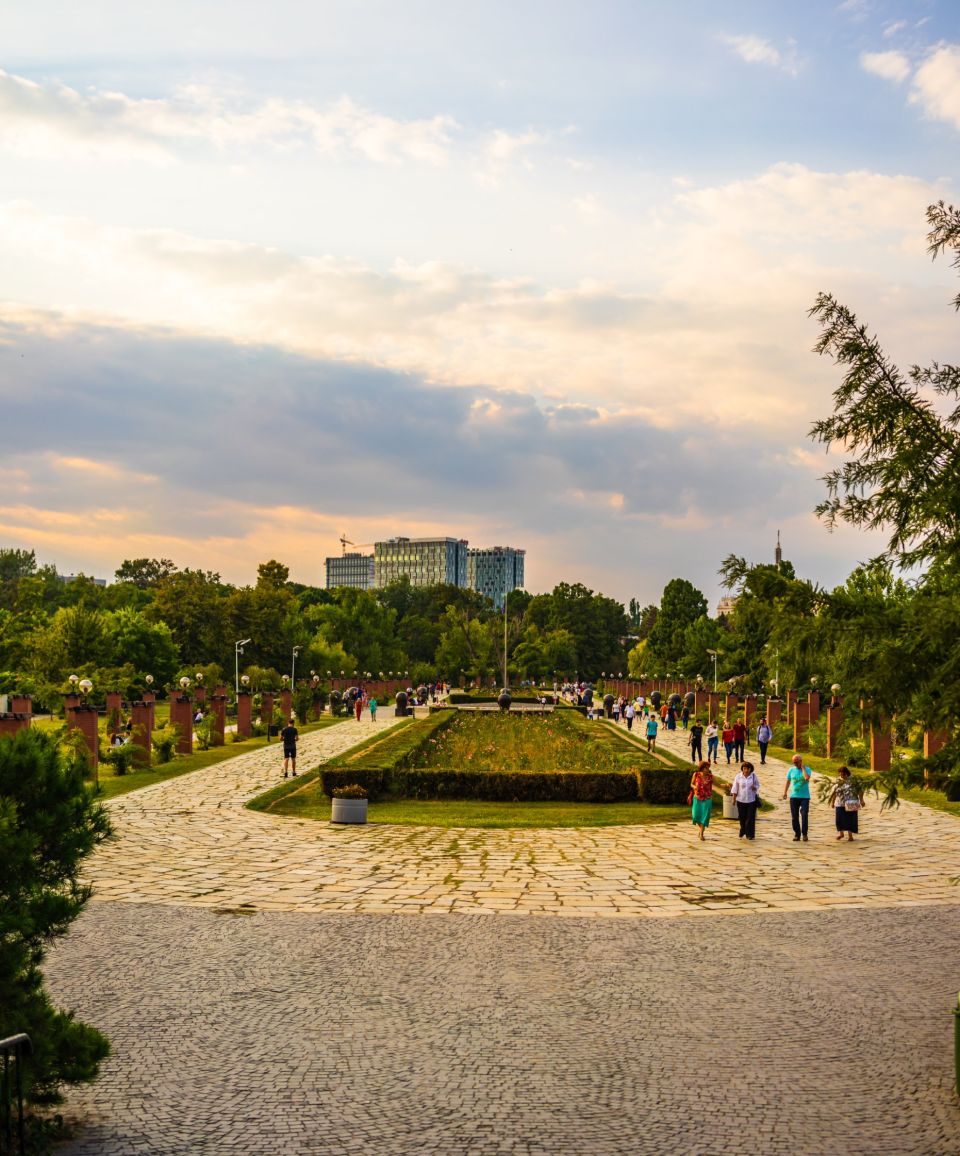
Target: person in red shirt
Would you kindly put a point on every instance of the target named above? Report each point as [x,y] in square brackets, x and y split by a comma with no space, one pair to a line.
[727,738]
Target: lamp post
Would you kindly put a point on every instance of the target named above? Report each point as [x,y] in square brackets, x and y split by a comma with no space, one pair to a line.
[715,654]
[506,676]
[237,651]
[293,668]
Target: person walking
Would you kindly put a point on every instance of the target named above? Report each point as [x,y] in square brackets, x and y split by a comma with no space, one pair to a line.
[727,737]
[746,790]
[373,710]
[797,783]
[630,713]
[358,706]
[713,740]
[764,735]
[847,801]
[289,736]
[652,728]
[696,741]
[685,716]
[739,740]
[701,797]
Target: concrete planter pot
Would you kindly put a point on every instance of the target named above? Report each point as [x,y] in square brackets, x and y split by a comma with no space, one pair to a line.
[349,811]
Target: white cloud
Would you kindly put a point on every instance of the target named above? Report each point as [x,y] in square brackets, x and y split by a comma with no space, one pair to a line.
[936,85]
[757,50]
[40,118]
[888,65]
[893,28]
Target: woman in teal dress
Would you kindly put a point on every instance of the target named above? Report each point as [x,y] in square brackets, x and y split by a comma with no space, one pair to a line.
[701,790]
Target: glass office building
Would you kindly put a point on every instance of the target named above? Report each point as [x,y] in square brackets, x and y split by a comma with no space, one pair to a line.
[350,570]
[425,561]
[494,571]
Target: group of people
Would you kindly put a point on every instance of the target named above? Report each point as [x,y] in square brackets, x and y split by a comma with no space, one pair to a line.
[846,799]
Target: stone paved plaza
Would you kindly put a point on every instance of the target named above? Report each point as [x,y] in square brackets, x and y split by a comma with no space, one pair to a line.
[270,985]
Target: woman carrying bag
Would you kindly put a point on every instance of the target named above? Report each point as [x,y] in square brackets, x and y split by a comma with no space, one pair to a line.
[746,790]
[701,797]
[847,801]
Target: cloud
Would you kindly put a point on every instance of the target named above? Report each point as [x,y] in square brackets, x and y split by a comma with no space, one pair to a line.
[38,118]
[757,50]
[936,85]
[238,453]
[888,65]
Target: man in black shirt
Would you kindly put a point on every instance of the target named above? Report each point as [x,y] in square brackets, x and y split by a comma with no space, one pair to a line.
[289,736]
[696,738]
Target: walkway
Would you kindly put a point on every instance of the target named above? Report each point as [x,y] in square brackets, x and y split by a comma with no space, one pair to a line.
[191,842]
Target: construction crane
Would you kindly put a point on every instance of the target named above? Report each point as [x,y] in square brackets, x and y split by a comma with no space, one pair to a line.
[345,542]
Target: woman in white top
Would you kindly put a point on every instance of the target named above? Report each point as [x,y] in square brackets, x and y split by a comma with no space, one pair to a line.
[746,790]
[713,741]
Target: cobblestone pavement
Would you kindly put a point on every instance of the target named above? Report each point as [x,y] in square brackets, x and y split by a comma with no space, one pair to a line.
[190,842]
[293,1034]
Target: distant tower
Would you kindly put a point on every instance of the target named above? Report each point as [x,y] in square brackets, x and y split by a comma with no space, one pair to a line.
[778,553]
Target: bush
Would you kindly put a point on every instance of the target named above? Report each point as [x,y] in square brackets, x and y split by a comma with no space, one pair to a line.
[514,786]
[853,752]
[350,791]
[783,736]
[122,758]
[49,823]
[370,779]
[664,784]
[817,737]
[164,742]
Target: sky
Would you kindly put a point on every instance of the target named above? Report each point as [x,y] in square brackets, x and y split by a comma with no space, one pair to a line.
[531,273]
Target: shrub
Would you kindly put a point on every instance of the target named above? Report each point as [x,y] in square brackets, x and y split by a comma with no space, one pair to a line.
[122,758]
[164,742]
[514,786]
[664,784]
[783,736]
[817,737]
[370,779]
[350,791]
[853,752]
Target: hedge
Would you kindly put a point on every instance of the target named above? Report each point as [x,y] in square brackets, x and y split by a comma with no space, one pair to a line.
[514,786]
[464,698]
[664,784]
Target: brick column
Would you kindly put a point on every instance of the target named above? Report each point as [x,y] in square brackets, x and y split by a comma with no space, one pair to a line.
[266,709]
[732,706]
[181,715]
[792,697]
[200,695]
[286,704]
[85,720]
[713,705]
[813,701]
[244,714]
[934,741]
[13,722]
[774,708]
[218,706]
[881,748]
[702,703]
[141,715]
[150,698]
[801,720]
[834,723]
[749,714]
[22,704]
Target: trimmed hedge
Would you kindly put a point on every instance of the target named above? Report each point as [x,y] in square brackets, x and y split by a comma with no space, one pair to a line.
[664,784]
[464,698]
[494,786]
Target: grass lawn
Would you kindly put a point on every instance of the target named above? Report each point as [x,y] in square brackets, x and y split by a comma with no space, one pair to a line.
[935,799]
[111,784]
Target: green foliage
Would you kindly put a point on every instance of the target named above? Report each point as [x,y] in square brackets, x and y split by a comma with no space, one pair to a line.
[122,758]
[596,624]
[514,786]
[350,791]
[681,605]
[664,784]
[371,779]
[164,741]
[49,823]
[144,572]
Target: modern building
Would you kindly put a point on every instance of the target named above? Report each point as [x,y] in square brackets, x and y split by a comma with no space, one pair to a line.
[350,570]
[494,571]
[425,561]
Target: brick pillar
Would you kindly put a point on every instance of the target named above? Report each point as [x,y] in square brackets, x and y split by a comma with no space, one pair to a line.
[713,705]
[200,695]
[774,709]
[732,706]
[834,723]
[13,722]
[881,746]
[244,714]
[22,704]
[286,703]
[792,697]
[801,720]
[85,720]
[701,703]
[218,705]
[181,715]
[813,701]
[934,741]
[141,715]
[749,713]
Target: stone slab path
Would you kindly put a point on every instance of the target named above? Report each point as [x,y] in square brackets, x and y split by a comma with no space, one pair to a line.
[191,842]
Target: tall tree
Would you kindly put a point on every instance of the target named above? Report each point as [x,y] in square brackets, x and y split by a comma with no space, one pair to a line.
[680,606]
[144,572]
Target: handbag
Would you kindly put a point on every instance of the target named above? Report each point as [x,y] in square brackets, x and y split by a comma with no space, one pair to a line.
[851,805]
[690,797]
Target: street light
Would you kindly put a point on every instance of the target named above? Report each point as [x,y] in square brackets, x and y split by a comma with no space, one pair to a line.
[293,667]
[715,654]
[237,651]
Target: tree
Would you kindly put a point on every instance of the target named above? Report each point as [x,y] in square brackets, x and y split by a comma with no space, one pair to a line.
[597,624]
[193,604]
[680,606]
[362,626]
[902,473]
[144,572]
[466,644]
[49,823]
[148,646]
[273,575]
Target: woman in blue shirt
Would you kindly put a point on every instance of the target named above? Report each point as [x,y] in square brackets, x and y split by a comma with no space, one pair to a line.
[797,783]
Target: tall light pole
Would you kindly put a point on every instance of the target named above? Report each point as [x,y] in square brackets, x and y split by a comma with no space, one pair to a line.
[715,654]
[237,651]
[293,668]
[506,676]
